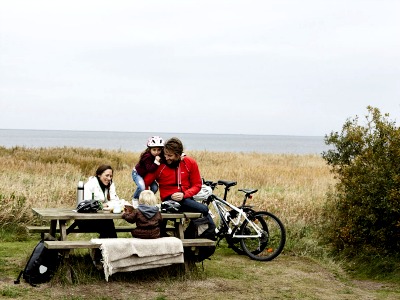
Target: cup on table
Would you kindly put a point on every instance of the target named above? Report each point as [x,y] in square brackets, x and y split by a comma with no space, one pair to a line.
[118,207]
[135,203]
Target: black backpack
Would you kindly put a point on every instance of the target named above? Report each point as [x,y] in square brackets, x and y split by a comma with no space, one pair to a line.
[88,206]
[207,230]
[41,266]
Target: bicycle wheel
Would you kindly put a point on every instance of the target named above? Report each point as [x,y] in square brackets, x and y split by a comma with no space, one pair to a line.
[233,242]
[272,240]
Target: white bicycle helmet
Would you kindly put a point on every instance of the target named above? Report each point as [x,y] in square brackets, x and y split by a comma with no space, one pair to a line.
[155,141]
[204,193]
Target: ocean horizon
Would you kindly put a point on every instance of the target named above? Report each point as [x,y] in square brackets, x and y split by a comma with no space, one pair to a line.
[136,141]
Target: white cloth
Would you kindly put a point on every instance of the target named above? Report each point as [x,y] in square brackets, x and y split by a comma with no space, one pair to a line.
[132,254]
[93,186]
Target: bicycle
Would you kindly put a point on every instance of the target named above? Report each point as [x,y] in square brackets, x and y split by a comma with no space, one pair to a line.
[260,234]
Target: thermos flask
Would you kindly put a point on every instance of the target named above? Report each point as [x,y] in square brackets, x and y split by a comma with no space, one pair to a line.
[79,193]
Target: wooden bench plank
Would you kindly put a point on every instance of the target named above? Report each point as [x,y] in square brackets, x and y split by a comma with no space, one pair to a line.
[46,229]
[67,245]
[70,214]
[38,229]
[197,242]
[64,245]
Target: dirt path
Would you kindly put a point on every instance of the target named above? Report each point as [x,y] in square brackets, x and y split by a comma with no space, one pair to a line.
[286,277]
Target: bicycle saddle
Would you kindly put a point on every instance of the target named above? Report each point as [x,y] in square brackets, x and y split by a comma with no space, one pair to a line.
[227,183]
[247,191]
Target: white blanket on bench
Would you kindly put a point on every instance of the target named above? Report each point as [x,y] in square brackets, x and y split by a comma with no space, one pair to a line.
[132,254]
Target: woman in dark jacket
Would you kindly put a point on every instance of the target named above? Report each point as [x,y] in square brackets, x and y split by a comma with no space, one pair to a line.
[146,216]
[148,163]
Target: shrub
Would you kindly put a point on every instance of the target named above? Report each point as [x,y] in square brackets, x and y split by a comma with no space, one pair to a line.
[363,214]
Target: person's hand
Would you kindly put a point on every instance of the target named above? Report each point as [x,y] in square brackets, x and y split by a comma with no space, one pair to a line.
[128,209]
[157,158]
[177,196]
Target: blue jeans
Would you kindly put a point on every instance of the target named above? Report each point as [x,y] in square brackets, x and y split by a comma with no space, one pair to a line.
[191,205]
[188,205]
[141,186]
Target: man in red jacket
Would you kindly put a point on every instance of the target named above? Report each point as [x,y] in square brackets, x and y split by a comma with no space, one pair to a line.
[178,177]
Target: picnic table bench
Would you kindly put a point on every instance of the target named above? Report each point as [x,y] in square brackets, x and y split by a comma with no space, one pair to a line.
[118,228]
[45,229]
[58,218]
[69,245]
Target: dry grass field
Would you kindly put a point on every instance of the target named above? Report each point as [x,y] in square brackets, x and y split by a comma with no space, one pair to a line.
[293,187]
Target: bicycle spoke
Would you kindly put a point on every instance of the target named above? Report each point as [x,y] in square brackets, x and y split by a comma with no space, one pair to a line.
[272,240]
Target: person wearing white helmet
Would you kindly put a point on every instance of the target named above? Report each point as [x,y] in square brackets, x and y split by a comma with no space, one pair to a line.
[148,163]
[179,179]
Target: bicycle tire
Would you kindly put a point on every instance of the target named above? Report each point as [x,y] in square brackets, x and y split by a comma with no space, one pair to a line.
[272,241]
[233,242]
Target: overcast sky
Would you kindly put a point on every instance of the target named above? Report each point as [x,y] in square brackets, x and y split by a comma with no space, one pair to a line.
[245,67]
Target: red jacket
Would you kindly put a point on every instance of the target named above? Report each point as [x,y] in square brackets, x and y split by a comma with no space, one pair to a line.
[187,174]
[146,164]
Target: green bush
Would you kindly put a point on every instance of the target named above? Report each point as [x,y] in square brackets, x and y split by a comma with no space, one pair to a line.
[363,213]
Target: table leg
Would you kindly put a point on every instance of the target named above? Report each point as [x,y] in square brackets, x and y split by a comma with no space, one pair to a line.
[179,228]
[63,230]
[53,228]
[63,237]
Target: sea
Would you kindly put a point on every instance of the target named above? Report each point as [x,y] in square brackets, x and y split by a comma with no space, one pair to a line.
[136,141]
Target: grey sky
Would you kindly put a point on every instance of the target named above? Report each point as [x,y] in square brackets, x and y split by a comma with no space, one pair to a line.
[246,67]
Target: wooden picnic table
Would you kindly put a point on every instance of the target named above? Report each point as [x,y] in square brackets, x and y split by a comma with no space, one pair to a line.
[61,216]
[66,219]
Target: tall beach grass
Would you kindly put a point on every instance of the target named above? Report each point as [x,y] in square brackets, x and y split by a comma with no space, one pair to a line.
[293,187]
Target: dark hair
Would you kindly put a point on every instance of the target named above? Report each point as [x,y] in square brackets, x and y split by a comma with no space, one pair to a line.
[174,145]
[148,149]
[100,170]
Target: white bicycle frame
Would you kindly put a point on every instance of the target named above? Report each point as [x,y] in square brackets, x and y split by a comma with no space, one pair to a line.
[220,204]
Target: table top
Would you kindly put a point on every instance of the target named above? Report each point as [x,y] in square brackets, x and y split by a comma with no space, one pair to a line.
[71,214]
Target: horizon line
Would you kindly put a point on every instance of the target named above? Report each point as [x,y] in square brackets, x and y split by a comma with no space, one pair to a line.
[111,131]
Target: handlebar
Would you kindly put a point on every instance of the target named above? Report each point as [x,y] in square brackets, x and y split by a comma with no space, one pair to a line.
[228,184]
